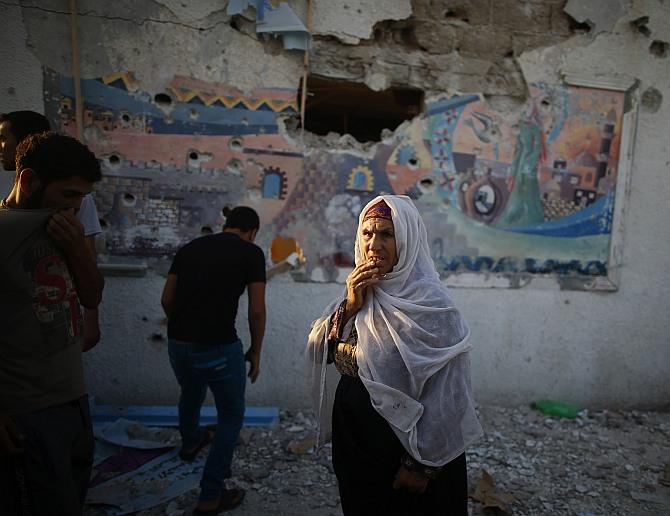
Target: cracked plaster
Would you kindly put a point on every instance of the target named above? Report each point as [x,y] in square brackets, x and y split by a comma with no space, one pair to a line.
[601,15]
[151,40]
[350,21]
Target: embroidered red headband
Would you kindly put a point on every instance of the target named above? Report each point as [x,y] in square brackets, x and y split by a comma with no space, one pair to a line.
[378,210]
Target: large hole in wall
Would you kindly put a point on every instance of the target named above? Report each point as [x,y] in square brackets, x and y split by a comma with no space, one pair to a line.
[352,108]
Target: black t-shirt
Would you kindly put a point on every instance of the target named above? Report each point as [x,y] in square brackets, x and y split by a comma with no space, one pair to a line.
[212,273]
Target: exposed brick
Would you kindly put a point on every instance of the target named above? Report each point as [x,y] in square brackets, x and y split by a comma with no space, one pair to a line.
[522,15]
[484,44]
[435,37]
[505,78]
[473,12]
[523,42]
[560,22]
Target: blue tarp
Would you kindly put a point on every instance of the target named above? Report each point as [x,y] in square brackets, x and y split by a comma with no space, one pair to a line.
[168,415]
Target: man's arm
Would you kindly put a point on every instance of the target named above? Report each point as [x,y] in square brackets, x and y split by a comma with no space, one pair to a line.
[256,316]
[169,292]
[68,234]
[91,324]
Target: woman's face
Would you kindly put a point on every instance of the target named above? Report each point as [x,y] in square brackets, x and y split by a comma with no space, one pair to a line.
[378,239]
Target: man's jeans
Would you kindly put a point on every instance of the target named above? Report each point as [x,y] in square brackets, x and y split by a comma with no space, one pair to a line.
[221,367]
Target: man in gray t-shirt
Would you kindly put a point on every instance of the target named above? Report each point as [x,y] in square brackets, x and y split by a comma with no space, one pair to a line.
[46,442]
[16,126]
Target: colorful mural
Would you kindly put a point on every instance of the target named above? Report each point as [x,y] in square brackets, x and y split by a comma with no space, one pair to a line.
[534,194]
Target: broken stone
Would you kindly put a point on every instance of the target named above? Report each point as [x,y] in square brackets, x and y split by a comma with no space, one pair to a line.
[302,446]
[245,436]
[562,473]
[295,429]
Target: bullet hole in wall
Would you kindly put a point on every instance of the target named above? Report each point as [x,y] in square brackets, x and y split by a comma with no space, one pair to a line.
[651,100]
[426,185]
[659,48]
[579,27]
[163,99]
[193,155]
[129,199]
[457,14]
[114,160]
[125,117]
[236,144]
[235,166]
[640,24]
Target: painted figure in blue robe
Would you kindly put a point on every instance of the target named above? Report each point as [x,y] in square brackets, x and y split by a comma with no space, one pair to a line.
[524,206]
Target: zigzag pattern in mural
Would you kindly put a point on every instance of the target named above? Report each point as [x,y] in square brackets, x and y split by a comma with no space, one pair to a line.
[122,80]
[197,97]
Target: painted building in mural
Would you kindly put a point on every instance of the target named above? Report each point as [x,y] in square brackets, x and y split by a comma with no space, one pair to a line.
[534,194]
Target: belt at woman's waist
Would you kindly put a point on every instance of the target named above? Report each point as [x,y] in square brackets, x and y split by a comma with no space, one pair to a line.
[343,353]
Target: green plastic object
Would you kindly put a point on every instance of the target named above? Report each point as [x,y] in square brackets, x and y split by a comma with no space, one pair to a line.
[557,408]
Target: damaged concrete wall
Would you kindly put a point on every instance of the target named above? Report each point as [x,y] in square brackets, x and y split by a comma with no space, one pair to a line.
[529,342]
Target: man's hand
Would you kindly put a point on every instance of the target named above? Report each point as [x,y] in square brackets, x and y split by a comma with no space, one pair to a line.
[11,440]
[410,480]
[254,358]
[67,232]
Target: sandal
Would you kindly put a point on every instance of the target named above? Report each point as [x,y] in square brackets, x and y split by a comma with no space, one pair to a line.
[207,437]
[230,498]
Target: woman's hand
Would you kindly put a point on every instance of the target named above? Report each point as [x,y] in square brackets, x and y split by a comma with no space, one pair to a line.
[412,481]
[359,279]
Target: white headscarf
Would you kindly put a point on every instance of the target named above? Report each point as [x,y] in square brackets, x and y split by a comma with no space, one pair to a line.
[412,349]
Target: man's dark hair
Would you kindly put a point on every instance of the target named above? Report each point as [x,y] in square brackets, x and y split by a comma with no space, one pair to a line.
[25,123]
[54,157]
[241,217]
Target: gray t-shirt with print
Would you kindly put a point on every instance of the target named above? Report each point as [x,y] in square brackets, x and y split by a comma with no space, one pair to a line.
[40,317]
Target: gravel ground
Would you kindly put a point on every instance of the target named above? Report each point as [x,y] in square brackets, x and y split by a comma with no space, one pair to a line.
[602,463]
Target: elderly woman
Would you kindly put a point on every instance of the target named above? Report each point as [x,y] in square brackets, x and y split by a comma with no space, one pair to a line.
[403,412]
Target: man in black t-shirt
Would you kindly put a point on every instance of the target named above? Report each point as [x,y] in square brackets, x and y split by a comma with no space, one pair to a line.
[200,298]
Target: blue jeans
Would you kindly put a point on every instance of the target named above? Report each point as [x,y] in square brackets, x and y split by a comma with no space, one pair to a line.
[222,369]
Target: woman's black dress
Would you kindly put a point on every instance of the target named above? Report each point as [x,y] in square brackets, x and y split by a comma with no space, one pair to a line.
[366,458]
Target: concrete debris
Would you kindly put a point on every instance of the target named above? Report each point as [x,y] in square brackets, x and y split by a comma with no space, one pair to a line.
[132,434]
[246,435]
[532,465]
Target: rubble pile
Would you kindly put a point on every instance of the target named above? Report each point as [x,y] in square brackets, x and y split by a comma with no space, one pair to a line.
[600,463]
